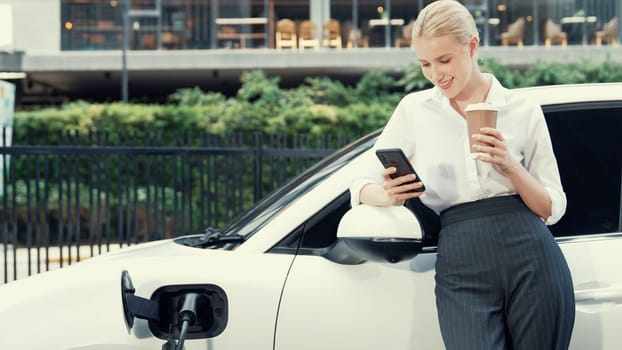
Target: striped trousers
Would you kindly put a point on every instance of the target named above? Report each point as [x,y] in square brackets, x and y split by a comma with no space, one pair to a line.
[501,280]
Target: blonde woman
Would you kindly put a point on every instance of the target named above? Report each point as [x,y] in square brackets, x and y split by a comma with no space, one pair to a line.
[501,280]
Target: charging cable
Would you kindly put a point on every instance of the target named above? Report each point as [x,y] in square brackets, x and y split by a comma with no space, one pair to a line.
[187,315]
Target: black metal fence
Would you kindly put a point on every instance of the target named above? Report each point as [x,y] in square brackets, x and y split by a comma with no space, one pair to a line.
[66,196]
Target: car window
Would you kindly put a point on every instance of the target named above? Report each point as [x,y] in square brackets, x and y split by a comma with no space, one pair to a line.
[263,212]
[320,231]
[586,141]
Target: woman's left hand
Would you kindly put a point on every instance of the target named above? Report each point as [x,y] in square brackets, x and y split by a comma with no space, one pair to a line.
[496,153]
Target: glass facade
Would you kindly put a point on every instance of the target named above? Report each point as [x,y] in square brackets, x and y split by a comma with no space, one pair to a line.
[232,24]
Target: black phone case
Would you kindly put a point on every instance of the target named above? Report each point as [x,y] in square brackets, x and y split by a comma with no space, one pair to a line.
[395,157]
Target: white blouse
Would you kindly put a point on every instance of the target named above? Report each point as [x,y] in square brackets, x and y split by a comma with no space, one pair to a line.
[434,137]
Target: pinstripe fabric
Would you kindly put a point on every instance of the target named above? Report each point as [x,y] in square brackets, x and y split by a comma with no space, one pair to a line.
[501,280]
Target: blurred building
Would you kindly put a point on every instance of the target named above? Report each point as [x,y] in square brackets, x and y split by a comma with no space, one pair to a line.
[108,49]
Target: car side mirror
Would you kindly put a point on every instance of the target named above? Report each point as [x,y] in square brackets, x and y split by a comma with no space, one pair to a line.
[386,234]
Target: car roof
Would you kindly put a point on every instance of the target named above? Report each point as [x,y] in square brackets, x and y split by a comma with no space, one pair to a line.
[573,93]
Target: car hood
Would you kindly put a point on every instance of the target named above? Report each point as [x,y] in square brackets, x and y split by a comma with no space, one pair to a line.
[82,302]
[80,306]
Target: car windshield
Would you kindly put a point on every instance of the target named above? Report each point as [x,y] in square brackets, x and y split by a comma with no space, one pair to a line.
[258,216]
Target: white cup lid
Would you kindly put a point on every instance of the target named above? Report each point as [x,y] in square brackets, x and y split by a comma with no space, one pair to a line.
[482,106]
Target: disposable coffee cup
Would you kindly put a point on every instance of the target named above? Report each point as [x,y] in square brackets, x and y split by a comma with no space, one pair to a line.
[479,115]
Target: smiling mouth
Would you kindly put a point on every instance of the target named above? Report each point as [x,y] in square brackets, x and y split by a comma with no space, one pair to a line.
[445,84]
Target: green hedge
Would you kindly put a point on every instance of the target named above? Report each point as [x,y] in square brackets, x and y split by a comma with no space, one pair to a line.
[318,106]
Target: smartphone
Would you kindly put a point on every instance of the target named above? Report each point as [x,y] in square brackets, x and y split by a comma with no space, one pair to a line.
[395,157]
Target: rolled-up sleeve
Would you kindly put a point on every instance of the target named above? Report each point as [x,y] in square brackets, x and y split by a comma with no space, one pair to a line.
[558,205]
[540,161]
[355,190]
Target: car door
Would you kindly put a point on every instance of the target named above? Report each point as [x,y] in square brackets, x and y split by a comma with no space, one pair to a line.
[381,305]
[586,138]
[373,305]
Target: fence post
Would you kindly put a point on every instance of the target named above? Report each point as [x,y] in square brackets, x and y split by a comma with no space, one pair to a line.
[257,168]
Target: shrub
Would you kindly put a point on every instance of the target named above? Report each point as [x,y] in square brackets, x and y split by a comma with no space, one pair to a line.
[320,105]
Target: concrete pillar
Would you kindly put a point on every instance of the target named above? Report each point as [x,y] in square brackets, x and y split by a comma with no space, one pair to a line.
[536,21]
[6,28]
[45,16]
[618,9]
[319,11]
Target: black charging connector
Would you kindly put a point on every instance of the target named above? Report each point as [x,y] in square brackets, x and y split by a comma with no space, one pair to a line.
[187,316]
[177,312]
[188,312]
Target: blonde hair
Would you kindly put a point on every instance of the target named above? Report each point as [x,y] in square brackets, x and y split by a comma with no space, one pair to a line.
[445,17]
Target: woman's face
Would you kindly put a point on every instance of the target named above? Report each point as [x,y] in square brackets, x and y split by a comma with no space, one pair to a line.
[446,63]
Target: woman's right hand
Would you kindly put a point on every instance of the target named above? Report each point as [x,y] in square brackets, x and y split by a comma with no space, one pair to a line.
[398,189]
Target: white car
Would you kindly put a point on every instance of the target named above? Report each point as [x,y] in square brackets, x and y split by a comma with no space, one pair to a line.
[281,278]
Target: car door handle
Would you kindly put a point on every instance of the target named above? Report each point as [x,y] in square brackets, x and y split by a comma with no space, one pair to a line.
[606,294]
